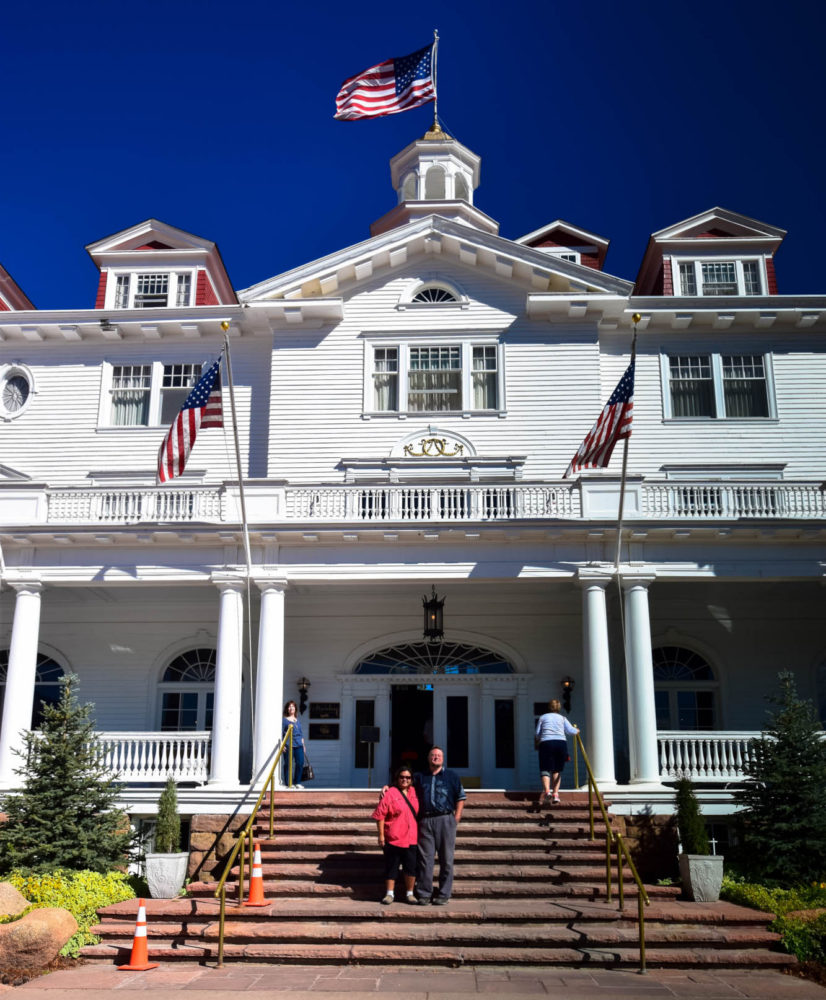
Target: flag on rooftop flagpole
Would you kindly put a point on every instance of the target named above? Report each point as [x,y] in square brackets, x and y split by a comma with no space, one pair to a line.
[390,87]
[202,408]
[612,424]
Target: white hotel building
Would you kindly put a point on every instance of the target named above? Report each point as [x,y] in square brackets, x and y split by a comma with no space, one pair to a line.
[406,409]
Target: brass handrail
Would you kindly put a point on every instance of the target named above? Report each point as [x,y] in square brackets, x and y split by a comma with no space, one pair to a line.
[622,851]
[246,835]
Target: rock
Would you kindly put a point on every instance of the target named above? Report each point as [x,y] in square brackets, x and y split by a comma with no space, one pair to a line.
[12,902]
[35,940]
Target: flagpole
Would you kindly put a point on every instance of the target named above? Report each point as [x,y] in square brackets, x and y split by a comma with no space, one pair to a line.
[243,504]
[620,514]
[435,87]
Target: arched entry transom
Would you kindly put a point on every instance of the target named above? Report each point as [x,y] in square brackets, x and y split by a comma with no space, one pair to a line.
[446,658]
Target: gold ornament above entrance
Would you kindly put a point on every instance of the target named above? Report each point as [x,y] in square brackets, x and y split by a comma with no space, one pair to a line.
[434,447]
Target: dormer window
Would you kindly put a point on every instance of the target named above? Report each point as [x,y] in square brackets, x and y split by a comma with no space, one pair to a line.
[153,290]
[720,277]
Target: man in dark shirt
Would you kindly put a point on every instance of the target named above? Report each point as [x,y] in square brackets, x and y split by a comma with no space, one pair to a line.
[441,801]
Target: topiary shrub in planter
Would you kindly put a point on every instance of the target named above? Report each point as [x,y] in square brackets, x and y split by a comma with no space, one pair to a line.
[166,866]
[701,872]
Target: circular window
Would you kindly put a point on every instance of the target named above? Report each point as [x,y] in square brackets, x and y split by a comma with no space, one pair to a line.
[433,293]
[15,392]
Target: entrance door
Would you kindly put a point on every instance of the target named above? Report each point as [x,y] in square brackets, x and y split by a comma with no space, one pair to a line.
[411,725]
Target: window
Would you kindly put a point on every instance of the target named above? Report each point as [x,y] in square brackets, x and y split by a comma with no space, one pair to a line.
[15,391]
[444,378]
[434,293]
[719,277]
[434,658]
[718,385]
[151,290]
[187,692]
[148,394]
[46,684]
[685,690]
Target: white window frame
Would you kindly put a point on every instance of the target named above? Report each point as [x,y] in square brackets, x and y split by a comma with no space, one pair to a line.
[15,370]
[105,410]
[403,347]
[716,359]
[740,279]
[133,275]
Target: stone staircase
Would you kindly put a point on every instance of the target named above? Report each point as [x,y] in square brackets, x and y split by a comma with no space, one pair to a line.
[529,890]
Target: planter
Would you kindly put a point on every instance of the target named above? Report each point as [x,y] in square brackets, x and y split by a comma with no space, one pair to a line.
[166,874]
[701,876]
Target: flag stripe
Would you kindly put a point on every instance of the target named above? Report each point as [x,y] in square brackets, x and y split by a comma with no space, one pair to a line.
[613,424]
[202,408]
[389,87]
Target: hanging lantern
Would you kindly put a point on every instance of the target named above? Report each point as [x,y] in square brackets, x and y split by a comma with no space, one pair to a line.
[433,616]
[567,690]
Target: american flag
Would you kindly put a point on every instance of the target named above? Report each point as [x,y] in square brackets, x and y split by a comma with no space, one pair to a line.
[393,86]
[612,424]
[202,408]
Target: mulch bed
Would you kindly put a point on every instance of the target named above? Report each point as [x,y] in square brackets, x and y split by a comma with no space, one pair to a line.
[16,977]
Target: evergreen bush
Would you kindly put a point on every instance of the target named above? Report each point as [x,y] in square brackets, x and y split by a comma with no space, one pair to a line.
[782,826]
[690,824]
[168,826]
[64,816]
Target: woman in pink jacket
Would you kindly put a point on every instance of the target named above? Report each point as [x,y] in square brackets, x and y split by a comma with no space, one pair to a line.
[396,817]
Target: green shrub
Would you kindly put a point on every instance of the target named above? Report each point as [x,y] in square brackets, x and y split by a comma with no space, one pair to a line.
[168,826]
[81,893]
[690,823]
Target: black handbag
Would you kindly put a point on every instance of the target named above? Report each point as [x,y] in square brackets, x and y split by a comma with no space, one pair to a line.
[307,773]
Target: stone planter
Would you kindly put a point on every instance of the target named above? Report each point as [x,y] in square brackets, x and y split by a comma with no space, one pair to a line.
[166,874]
[701,876]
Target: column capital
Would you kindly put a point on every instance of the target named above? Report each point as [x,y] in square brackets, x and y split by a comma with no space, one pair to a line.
[277,583]
[593,576]
[228,581]
[23,584]
[637,578]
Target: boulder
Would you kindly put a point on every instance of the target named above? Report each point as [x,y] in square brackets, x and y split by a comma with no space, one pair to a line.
[35,940]
[12,902]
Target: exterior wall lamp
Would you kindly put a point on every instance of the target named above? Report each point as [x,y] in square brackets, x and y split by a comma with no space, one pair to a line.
[567,685]
[433,616]
[303,688]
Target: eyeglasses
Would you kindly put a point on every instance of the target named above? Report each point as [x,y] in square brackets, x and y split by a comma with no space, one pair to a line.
[405,777]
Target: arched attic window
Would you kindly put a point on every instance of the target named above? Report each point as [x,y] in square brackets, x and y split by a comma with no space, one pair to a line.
[410,187]
[447,658]
[46,684]
[435,293]
[685,689]
[188,691]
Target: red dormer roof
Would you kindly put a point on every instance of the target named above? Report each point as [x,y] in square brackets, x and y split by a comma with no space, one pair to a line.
[154,244]
[12,295]
[560,235]
[716,230]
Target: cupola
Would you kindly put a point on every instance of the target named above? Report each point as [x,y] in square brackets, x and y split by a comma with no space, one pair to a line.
[435,175]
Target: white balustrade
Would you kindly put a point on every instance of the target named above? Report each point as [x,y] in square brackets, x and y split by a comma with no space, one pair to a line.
[155,757]
[704,756]
[707,501]
[133,506]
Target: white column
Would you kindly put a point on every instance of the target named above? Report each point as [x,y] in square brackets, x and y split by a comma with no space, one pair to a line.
[20,678]
[642,714]
[269,683]
[599,721]
[226,718]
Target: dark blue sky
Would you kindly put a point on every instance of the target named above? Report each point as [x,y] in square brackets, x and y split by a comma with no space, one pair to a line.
[622,118]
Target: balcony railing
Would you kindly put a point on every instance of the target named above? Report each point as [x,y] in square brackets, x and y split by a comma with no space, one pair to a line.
[662,500]
[704,756]
[136,758]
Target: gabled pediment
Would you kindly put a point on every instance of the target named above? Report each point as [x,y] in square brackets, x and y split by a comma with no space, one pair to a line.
[147,236]
[439,238]
[560,236]
[720,223]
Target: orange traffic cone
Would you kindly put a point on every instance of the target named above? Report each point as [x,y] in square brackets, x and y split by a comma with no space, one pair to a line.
[256,896]
[139,959]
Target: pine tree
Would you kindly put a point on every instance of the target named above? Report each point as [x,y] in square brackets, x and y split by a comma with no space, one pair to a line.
[690,823]
[168,826]
[64,816]
[783,823]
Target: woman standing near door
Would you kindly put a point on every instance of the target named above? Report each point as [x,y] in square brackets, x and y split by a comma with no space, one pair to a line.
[291,719]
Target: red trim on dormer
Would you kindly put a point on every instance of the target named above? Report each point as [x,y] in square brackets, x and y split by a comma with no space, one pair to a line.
[4,306]
[771,276]
[155,245]
[204,292]
[101,298]
[664,284]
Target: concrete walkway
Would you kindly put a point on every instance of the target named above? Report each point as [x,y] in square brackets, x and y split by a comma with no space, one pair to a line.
[354,982]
